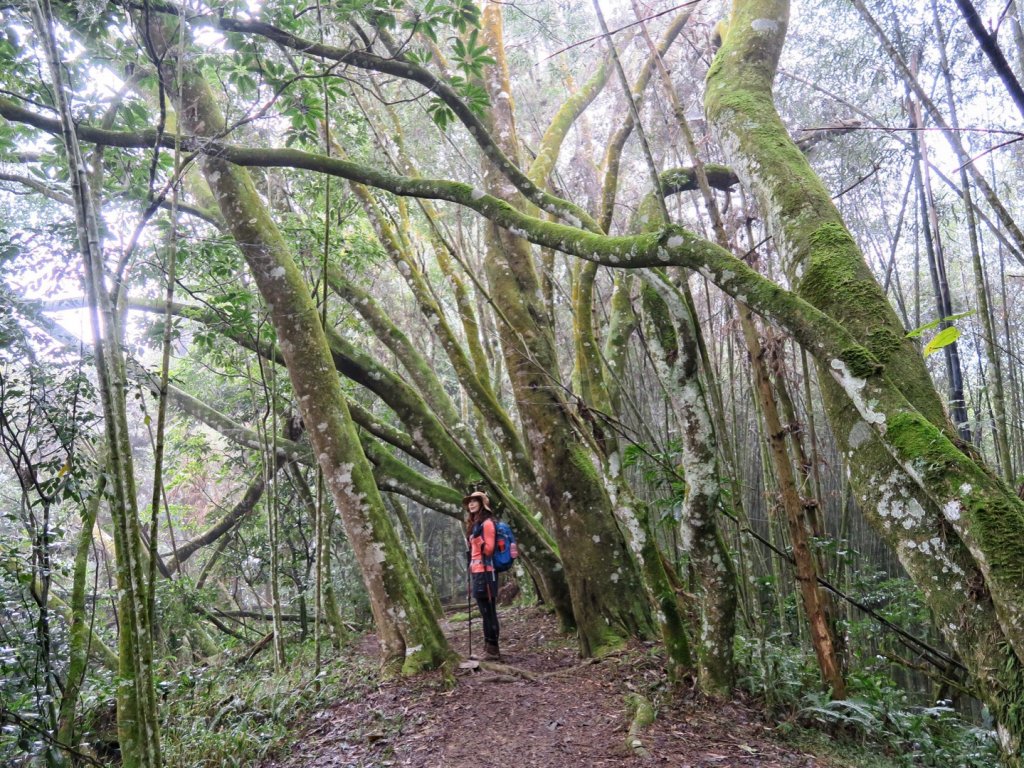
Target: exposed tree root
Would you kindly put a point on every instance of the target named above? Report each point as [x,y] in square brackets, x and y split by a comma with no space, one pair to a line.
[506,673]
[643,716]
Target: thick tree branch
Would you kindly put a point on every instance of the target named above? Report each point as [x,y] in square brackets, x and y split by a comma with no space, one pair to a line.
[406,70]
[241,510]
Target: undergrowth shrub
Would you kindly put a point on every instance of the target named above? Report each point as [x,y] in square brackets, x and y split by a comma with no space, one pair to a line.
[877,713]
[913,736]
[229,716]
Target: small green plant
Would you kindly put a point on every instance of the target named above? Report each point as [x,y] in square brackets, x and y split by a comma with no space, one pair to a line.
[912,736]
[775,671]
[878,715]
[218,717]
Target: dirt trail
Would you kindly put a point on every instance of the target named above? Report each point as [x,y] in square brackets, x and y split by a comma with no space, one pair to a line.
[573,713]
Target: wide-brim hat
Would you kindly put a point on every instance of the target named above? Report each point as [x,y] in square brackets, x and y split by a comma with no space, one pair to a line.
[478,495]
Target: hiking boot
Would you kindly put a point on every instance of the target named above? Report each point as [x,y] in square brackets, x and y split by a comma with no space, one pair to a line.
[491,652]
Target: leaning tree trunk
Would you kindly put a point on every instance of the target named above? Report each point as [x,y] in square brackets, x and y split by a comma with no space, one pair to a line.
[949,549]
[604,581]
[409,635]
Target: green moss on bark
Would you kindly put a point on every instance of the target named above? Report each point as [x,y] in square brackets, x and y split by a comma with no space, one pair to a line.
[581,459]
[860,361]
[996,521]
[884,343]
[933,456]
[657,312]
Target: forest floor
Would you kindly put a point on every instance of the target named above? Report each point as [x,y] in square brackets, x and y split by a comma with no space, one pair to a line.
[543,708]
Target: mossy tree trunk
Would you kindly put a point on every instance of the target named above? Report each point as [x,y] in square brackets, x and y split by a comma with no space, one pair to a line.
[672,338]
[950,545]
[409,635]
[79,631]
[604,581]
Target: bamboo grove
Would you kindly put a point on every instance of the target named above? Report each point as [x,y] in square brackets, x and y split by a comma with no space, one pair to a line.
[664,298]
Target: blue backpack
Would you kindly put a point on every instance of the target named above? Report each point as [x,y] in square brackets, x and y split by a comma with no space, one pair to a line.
[505,549]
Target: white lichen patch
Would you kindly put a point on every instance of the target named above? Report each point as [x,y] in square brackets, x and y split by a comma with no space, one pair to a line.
[675,241]
[630,523]
[951,510]
[343,475]
[1006,737]
[614,466]
[896,506]
[854,388]
[688,534]
[859,435]
[764,26]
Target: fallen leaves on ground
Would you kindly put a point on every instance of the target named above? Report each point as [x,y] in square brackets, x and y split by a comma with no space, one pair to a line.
[557,711]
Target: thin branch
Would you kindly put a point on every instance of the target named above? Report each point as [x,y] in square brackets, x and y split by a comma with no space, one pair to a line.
[630,25]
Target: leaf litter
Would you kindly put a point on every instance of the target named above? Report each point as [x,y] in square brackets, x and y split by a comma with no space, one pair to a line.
[543,707]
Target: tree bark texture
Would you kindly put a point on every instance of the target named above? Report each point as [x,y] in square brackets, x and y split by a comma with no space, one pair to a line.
[409,635]
[946,553]
[602,574]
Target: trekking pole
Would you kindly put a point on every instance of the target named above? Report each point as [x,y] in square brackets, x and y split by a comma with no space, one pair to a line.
[469,606]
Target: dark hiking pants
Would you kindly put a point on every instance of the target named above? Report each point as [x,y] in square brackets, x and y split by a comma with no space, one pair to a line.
[485,590]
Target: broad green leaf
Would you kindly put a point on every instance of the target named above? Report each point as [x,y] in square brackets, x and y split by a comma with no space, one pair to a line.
[936,323]
[943,338]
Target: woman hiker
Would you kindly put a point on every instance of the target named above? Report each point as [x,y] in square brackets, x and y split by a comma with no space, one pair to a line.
[482,538]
